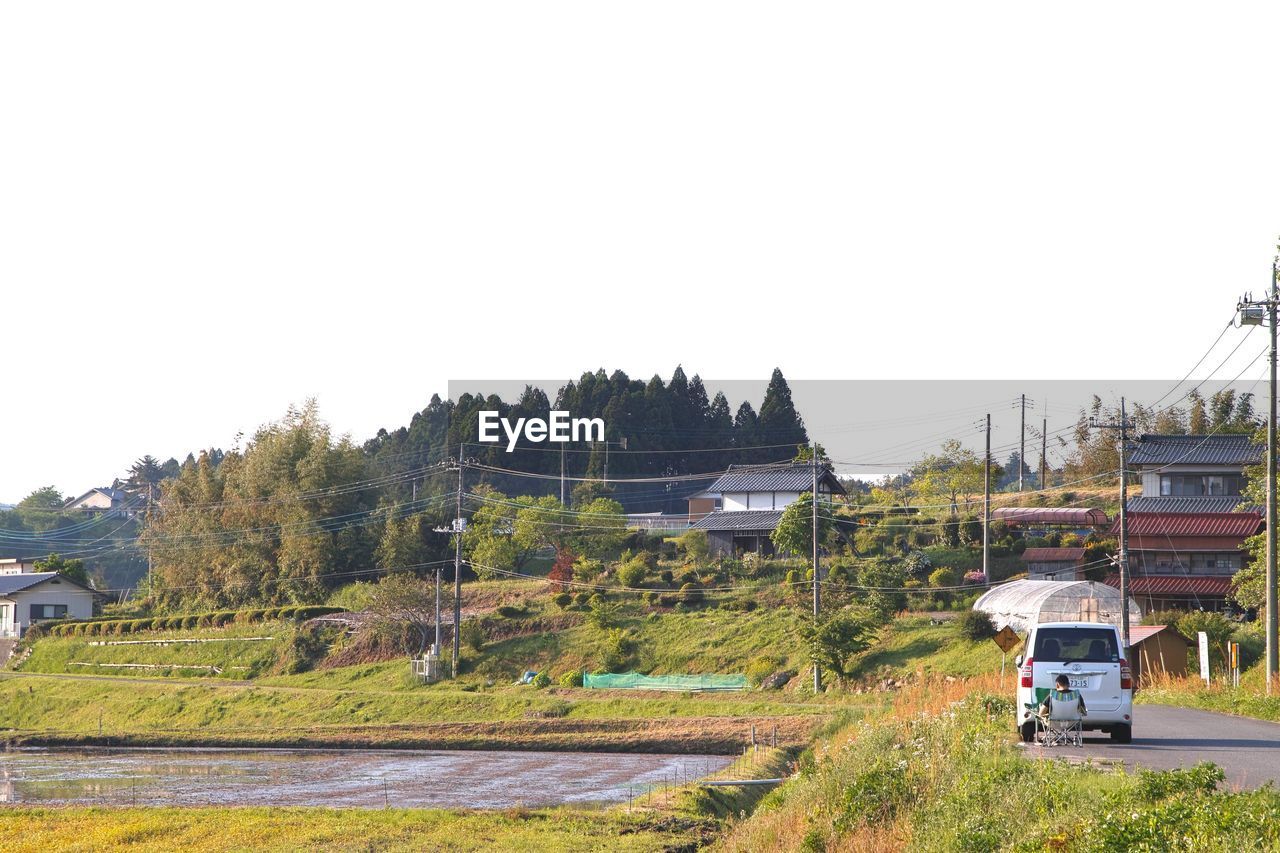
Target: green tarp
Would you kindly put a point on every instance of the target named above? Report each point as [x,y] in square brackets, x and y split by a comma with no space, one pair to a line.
[636,681]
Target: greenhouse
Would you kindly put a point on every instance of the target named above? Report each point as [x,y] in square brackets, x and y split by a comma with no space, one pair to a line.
[1021,604]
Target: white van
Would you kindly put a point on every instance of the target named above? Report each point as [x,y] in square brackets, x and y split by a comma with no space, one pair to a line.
[1090,655]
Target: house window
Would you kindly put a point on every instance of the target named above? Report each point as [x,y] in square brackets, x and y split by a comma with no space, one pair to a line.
[1199,485]
[48,611]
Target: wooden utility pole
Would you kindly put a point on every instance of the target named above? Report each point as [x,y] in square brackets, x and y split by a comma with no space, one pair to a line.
[1044,453]
[457,570]
[1022,442]
[562,496]
[1123,557]
[817,593]
[986,508]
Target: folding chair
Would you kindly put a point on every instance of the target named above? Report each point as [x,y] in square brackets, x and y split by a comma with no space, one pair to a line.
[1063,725]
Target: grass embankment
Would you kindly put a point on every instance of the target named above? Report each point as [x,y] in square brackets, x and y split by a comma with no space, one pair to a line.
[942,772]
[1247,700]
[378,704]
[258,829]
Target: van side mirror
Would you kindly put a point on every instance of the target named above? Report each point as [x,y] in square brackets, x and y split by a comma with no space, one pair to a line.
[1017,661]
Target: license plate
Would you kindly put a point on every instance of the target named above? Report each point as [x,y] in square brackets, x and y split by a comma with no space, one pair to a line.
[1079,683]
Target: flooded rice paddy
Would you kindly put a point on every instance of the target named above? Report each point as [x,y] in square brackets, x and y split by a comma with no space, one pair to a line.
[337,778]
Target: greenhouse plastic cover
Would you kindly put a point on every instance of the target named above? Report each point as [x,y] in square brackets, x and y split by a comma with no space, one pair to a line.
[1021,604]
[636,681]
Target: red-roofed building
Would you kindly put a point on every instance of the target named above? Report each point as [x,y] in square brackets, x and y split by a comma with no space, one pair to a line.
[1185,560]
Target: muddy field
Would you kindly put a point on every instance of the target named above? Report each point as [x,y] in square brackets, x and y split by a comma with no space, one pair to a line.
[360,779]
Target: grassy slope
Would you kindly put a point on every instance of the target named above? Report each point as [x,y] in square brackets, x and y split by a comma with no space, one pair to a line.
[295,829]
[912,644]
[236,658]
[941,772]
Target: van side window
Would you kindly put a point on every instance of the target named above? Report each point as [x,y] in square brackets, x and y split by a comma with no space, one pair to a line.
[1096,645]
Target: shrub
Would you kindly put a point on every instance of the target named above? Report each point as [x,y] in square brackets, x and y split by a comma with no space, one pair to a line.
[581,598]
[667,577]
[572,678]
[563,600]
[761,668]
[472,636]
[695,546]
[206,620]
[976,625]
[602,614]
[942,577]
[633,572]
[511,611]
[587,570]
[540,680]
[189,622]
[975,577]
[691,593]
[618,647]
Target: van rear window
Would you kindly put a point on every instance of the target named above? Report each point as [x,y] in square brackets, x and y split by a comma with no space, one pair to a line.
[1097,645]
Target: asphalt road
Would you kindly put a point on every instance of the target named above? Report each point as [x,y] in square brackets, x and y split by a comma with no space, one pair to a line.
[1165,737]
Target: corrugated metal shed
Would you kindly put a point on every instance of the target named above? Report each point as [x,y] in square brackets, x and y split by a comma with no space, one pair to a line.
[751,519]
[1211,503]
[790,477]
[1052,555]
[1195,450]
[1061,515]
[1220,524]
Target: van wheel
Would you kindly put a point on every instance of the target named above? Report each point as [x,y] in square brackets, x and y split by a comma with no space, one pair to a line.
[1028,731]
[1121,734]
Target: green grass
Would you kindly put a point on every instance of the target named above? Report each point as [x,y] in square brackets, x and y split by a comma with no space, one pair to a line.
[261,829]
[953,780]
[914,644]
[232,657]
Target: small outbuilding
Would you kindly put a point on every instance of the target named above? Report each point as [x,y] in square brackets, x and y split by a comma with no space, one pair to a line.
[1054,564]
[1021,604]
[1157,649]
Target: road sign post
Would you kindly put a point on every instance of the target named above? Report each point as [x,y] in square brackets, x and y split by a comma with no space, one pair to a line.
[1204,655]
[1006,638]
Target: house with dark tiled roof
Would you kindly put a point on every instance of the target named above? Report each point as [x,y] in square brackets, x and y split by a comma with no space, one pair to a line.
[32,597]
[1054,564]
[1192,473]
[751,501]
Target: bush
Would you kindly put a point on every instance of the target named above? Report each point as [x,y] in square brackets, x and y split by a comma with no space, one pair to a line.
[510,611]
[472,636]
[603,614]
[667,577]
[976,625]
[563,600]
[691,593]
[587,570]
[761,668]
[572,678]
[582,598]
[189,622]
[540,681]
[633,572]
[618,647]
[942,577]
[695,546]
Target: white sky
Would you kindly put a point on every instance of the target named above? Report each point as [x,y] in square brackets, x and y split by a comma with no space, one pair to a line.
[208,211]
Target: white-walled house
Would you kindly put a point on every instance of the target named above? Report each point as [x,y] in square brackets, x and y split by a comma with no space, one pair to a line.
[752,498]
[32,597]
[104,500]
[17,565]
[1192,473]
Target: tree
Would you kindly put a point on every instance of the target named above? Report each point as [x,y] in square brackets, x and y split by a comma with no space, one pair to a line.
[794,533]
[779,422]
[72,569]
[953,476]
[144,476]
[403,603]
[834,641]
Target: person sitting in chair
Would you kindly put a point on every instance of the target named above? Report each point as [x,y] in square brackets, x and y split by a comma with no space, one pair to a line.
[1062,693]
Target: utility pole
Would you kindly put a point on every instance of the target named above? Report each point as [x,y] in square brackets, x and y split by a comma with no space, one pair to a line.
[1254,313]
[817,594]
[1044,454]
[457,570]
[151,491]
[561,475]
[1022,442]
[1123,559]
[986,508]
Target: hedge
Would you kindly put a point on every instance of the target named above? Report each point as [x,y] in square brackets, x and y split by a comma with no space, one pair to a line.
[116,627]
